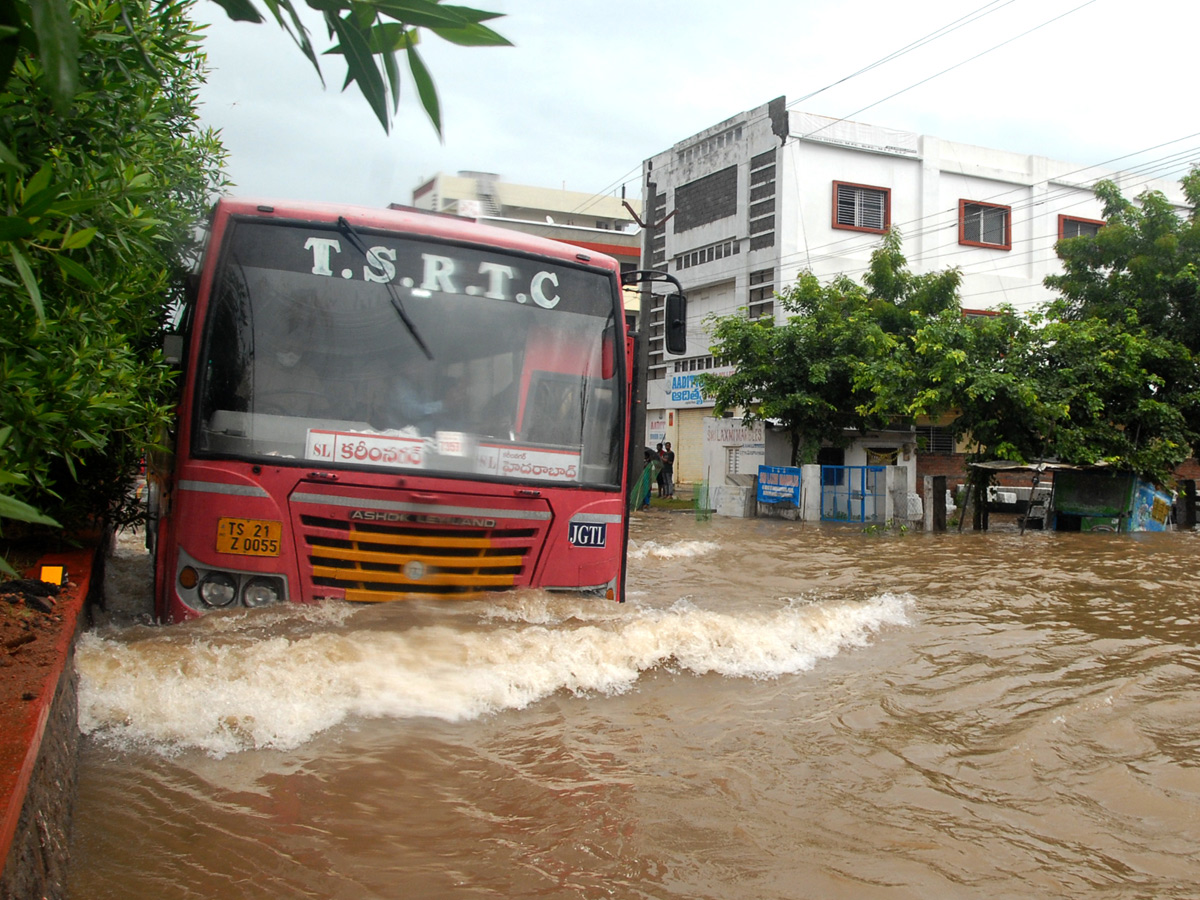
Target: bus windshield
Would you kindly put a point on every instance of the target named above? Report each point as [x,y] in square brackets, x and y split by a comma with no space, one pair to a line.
[312,351]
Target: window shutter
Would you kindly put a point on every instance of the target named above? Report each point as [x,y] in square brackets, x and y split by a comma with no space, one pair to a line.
[845,201]
[872,209]
[860,207]
[985,224]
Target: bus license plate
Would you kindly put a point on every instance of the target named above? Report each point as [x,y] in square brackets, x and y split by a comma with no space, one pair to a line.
[249,537]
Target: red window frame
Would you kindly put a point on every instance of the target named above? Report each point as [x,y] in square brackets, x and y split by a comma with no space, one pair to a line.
[962,225]
[1063,219]
[887,207]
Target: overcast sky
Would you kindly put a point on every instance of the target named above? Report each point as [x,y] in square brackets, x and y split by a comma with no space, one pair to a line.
[591,89]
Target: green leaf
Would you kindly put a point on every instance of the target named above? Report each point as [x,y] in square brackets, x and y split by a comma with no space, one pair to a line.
[29,279]
[425,13]
[13,228]
[58,47]
[240,10]
[472,36]
[387,38]
[37,204]
[425,88]
[300,33]
[457,24]
[11,508]
[360,66]
[6,155]
[40,181]
[393,74]
[79,239]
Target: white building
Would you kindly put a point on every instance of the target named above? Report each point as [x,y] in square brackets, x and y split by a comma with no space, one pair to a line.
[596,221]
[752,201]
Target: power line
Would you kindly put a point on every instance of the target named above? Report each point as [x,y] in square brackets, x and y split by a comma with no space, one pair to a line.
[975,15]
[939,219]
[969,18]
[955,66]
[1032,256]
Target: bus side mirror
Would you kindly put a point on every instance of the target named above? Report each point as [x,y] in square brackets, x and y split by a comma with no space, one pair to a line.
[173,349]
[675,322]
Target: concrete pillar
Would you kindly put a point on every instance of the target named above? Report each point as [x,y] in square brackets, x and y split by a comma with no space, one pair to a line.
[927,502]
[810,493]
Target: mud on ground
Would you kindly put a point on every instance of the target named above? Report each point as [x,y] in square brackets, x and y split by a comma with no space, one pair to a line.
[29,628]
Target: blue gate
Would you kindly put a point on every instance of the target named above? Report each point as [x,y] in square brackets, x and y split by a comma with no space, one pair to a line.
[853,494]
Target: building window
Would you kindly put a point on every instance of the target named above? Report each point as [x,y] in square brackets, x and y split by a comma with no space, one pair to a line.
[860,207]
[762,294]
[657,365]
[710,144]
[1071,227]
[984,225]
[832,462]
[658,240]
[707,254]
[696,364]
[935,440]
[762,194]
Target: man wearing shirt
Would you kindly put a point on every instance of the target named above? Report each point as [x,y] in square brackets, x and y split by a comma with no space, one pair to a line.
[668,469]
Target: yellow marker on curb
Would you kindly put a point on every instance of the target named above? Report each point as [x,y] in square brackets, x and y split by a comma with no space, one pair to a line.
[53,574]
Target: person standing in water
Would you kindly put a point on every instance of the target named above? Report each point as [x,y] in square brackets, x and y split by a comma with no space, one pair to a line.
[668,470]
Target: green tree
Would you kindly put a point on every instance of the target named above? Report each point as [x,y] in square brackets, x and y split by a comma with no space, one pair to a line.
[801,372]
[105,174]
[833,365]
[1032,388]
[98,227]
[369,34]
[1145,261]
[853,357]
[1142,269]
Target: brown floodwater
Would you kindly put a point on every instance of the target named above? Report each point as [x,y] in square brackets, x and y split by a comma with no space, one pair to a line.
[779,711]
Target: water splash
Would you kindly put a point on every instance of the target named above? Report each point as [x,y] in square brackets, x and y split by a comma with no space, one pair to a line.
[674,550]
[226,684]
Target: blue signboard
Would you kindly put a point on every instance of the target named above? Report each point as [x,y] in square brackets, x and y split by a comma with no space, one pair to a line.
[778,484]
[1151,508]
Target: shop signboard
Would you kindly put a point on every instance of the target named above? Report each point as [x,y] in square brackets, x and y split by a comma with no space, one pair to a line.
[779,484]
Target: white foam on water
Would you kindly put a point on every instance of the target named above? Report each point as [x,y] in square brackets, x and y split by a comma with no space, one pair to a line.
[676,550]
[227,685]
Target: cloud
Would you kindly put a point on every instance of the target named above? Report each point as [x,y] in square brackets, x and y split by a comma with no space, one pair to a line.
[592,89]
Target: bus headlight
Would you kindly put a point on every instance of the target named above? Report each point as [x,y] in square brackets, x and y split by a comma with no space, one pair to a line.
[217,589]
[262,592]
[200,588]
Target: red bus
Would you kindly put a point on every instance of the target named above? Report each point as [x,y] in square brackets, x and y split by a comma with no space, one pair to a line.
[384,404]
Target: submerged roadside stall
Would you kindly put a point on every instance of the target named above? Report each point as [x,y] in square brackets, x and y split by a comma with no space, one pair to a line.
[1062,497]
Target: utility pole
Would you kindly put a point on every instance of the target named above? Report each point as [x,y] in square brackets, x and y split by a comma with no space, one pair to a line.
[641,355]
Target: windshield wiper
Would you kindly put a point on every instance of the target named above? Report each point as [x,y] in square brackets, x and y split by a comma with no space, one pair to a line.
[353,236]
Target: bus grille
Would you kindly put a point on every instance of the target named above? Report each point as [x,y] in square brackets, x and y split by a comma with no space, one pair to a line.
[374,562]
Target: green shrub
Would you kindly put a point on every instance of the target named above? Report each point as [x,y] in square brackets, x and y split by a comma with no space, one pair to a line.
[98,209]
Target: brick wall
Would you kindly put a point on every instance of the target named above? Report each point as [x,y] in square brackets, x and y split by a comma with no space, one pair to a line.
[1189,470]
[952,466]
